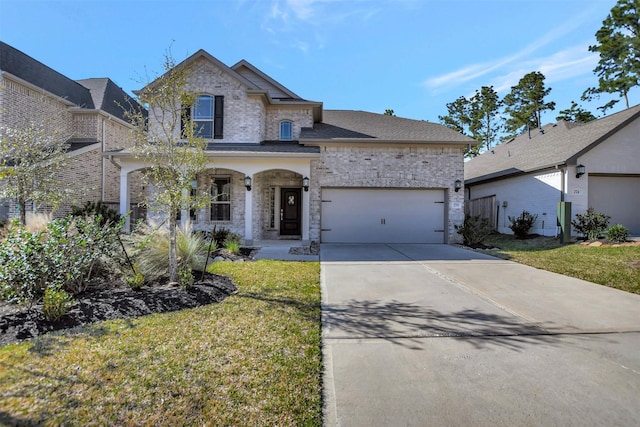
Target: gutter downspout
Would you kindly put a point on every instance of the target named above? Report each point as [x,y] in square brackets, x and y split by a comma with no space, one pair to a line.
[104,165]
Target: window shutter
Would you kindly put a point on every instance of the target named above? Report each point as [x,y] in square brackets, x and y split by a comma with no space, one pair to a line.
[184,117]
[218,115]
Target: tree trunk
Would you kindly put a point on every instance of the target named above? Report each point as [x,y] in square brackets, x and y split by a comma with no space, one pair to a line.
[173,258]
[23,211]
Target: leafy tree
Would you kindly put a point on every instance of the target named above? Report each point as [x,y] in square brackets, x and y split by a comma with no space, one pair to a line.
[32,159]
[619,47]
[476,117]
[576,113]
[389,112]
[169,145]
[525,103]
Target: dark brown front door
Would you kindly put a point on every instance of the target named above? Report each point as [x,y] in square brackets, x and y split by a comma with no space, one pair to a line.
[290,209]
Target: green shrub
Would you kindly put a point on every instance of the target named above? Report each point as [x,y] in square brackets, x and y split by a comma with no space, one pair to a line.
[474,229]
[135,281]
[617,233]
[62,256]
[591,224]
[56,303]
[522,224]
[74,245]
[94,209]
[232,246]
[185,277]
[223,235]
[23,266]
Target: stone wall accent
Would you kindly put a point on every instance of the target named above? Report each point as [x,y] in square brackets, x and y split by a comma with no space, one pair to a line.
[427,167]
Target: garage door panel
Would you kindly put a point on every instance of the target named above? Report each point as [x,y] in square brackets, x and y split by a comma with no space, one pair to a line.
[364,215]
[618,197]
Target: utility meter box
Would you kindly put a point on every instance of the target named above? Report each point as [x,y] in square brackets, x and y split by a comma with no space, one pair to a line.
[564,221]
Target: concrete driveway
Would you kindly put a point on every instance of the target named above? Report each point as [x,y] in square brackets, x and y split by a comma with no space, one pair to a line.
[419,335]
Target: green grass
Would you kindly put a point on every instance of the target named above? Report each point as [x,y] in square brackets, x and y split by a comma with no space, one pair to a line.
[254,359]
[616,267]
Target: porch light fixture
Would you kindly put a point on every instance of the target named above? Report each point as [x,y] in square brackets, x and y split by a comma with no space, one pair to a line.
[580,169]
[305,183]
[457,185]
[247,182]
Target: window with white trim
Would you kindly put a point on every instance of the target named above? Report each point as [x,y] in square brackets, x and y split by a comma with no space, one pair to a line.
[286,130]
[207,114]
[221,198]
[203,117]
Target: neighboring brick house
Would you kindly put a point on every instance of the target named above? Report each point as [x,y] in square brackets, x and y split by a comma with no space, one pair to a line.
[90,112]
[534,173]
[315,175]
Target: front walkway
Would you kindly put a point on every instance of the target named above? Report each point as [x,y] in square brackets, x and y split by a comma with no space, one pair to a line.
[282,250]
[438,335]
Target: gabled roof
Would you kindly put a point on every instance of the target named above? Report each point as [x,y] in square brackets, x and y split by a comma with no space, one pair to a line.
[109,97]
[263,81]
[558,144]
[26,68]
[206,55]
[362,126]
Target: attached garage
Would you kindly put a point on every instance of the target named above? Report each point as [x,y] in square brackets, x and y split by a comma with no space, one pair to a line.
[382,215]
[618,197]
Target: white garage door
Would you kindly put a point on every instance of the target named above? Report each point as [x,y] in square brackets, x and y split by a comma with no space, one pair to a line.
[618,197]
[373,215]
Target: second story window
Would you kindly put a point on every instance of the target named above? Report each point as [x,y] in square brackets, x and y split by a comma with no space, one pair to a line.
[286,130]
[203,117]
[207,114]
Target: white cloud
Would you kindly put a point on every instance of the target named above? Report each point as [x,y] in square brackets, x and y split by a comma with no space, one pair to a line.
[568,63]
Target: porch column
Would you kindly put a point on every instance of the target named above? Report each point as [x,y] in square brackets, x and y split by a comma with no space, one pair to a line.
[124,198]
[306,212]
[248,216]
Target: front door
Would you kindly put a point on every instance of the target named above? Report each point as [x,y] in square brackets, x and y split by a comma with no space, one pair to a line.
[290,212]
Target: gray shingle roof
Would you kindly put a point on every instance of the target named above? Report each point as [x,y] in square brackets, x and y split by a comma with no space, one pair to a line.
[264,147]
[347,124]
[28,69]
[109,97]
[559,144]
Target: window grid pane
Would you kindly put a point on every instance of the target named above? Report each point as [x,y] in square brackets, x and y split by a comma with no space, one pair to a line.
[220,199]
[286,131]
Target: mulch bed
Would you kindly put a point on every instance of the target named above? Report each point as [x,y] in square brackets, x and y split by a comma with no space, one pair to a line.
[118,302]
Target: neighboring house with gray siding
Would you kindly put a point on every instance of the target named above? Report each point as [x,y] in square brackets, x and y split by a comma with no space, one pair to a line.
[90,112]
[315,174]
[535,173]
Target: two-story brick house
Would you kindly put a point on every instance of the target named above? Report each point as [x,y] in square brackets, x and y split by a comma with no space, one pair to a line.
[90,113]
[282,167]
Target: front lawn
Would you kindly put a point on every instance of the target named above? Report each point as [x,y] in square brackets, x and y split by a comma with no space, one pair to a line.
[254,359]
[617,267]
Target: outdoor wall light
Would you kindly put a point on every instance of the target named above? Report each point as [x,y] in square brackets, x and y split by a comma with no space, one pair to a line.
[305,183]
[580,170]
[247,182]
[457,185]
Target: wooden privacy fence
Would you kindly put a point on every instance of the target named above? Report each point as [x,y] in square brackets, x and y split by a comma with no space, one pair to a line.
[485,207]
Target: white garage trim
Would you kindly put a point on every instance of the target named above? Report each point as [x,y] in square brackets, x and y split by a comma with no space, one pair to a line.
[383,215]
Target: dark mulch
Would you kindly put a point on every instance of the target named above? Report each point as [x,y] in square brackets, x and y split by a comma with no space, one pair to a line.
[98,304]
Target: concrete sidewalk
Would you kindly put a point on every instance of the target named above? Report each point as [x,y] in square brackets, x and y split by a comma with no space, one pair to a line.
[438,335]
[281,250]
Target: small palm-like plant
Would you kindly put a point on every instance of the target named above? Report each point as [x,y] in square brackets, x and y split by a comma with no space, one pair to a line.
[154,252]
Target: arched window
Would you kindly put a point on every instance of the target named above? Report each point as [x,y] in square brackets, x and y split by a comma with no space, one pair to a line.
[286,130]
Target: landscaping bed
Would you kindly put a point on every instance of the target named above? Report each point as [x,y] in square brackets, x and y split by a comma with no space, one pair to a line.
[118,301]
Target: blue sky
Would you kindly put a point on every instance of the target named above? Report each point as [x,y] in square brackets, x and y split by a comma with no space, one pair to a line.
[413,56]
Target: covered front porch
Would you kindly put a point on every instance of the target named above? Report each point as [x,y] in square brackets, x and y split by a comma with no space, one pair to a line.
[260,197]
